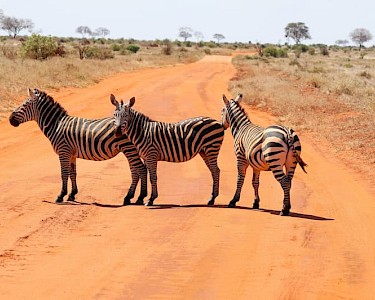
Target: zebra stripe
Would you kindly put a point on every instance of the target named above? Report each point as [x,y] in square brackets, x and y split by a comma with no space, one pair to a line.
[74,137]
[264,149]
[172,142]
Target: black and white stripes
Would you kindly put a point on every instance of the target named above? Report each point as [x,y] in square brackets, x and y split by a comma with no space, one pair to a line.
[172,142]
[264,149]
[74,137]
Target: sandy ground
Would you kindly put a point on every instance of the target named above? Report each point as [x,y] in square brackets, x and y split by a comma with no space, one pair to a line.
[178,249]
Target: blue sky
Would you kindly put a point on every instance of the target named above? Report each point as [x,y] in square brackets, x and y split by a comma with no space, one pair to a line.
[238,20]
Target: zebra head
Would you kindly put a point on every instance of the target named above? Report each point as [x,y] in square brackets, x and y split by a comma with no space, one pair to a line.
[27,111]
[121,114]
[228,106]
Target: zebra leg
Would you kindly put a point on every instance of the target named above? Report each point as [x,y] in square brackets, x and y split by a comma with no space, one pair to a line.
[73,179]
[138,170]
[255,183]
[211,163]
[151,165]
[143,174]
[285,183]
[241,169]
[65,170]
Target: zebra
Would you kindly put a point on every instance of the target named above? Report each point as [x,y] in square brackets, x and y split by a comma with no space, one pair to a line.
[74,137]
[264,149]
[171,142]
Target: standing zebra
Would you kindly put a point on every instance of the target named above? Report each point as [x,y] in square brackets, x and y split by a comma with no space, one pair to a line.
[73,137]
[172,142]
[264,149]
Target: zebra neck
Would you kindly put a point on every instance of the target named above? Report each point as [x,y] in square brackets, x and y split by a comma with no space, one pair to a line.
[49,118]
[137,127]
[239,120]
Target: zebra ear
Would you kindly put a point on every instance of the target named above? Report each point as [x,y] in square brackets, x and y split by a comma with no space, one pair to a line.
[238,98]
[131,101]
[114,101]
[31,94]
[225,100]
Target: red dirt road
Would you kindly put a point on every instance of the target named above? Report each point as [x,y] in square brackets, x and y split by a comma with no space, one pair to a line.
[178,249]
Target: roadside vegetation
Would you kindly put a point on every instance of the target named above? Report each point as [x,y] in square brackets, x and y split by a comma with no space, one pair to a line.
[326,91]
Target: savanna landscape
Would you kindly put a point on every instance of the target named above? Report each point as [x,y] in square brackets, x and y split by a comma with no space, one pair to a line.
[96,248]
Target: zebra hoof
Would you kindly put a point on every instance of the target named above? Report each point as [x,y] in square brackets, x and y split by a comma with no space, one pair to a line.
[232,204]
[71,198]
[59,200]
[256,205]
[284,213]
[211,202]
[150,203]
[126,201]
[139,202]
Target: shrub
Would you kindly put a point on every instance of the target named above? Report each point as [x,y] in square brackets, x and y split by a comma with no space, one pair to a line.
[9,51]
[133,48]
[38,47]
[312,51]
[324,51]
[99,53]
[275,52]
[116,47]
[167,49]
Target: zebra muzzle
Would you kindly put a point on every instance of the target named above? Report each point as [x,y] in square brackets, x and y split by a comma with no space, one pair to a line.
[13,121]
[118,131]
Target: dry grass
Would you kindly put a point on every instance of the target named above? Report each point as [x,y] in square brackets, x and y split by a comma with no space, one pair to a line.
[17,74]
[331,97]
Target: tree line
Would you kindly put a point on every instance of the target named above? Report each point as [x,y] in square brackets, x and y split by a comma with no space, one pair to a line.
[297,31]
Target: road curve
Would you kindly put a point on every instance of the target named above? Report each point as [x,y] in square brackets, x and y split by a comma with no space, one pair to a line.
[179,248]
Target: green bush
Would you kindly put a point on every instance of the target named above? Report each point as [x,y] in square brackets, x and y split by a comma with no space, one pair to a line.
[133,48]
[99,53]
[38,47]
[275,52]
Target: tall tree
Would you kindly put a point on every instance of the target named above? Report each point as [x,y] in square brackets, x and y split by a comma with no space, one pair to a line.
[297,31]
[360,36]
[84,30]
[185,33]
[218,37]
[14,25]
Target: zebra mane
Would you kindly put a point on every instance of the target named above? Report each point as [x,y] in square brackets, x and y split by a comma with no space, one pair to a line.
[242,110]
[43,96]
[141,115]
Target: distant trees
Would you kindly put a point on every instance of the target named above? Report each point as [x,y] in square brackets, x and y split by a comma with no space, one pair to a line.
[360,36]
[102,32]
[14,25]
[185,33]
[342,42]
[218,37]
[297,31]
[84,30]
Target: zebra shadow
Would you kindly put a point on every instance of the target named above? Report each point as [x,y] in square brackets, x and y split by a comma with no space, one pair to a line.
[270,211]
[75,202]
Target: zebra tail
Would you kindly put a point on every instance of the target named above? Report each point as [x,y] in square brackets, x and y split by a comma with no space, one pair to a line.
[299,159]
[301,163]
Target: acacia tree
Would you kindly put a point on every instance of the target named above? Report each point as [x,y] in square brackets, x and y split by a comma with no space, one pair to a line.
[218,37]
[84,30]
[102,31]
[360,36]
[297,31]
[185,33]
[14,25]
